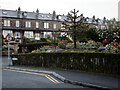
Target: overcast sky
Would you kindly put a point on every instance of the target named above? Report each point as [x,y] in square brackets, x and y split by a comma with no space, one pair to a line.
[99,8]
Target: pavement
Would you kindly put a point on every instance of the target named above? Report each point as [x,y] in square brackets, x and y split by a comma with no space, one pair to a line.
[77,77]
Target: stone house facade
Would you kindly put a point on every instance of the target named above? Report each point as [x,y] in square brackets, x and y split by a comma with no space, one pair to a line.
[35,25]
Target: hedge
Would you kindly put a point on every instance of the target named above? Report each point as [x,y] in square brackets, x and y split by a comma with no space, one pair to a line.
[107,63]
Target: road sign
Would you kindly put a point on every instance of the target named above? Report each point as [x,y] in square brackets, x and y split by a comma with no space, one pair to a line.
[9,38]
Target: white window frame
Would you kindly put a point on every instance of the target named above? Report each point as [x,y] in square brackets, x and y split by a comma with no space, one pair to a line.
[54,26]
[27,24]
[29,34]
[37,24]
[37,36]
[17,23]
[5,33]
[46,34]
[6,22]
[46,25]
[17,34]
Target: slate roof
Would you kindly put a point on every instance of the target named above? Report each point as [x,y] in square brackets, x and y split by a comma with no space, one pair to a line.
[42,16]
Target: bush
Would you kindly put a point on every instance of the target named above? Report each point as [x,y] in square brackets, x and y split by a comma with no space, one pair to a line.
[112,49]
[90,45]
[63,44]
[90,62]
[43,39]
[66,39]
[26,40]
[34,46]
[69,46]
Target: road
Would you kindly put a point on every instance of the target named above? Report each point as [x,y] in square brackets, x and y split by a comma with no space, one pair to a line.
[14,79]
[23,79]
[18,79]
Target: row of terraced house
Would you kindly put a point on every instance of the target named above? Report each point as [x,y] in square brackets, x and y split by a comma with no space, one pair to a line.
[35,25]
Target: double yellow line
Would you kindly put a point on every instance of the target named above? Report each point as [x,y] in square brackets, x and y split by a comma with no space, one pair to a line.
[45,75]
[51,79]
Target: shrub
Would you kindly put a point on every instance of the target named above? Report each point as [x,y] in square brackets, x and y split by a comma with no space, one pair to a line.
[34,46]
[46,40]
[63,44]
[26,40]
[43,39]
[111,48]
[90,45]
[65,39]
[69,46]
[90,62]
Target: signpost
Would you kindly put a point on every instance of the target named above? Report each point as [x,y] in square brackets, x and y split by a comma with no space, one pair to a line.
[9,38]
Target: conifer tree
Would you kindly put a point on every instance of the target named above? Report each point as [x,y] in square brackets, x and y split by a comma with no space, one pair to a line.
[75,25]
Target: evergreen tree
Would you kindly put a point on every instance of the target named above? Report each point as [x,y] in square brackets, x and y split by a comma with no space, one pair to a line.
[75,26]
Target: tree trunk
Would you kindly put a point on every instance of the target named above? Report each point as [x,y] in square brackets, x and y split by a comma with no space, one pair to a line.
[74,41]
[74,29]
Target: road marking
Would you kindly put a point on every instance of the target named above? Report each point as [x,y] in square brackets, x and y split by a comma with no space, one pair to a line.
[53,78]
[50,79]
[26,72]
[45,75]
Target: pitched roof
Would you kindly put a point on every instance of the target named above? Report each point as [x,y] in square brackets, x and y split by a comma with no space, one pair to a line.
[41,16]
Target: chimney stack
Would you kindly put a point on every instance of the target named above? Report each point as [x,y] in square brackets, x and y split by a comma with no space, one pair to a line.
[37,13]
[18,12]
[54,15]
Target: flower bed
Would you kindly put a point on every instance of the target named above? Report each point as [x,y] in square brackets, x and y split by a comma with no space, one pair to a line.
[113,47]
[46,49]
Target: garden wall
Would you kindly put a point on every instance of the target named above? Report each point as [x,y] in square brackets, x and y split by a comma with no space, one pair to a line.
[91,62]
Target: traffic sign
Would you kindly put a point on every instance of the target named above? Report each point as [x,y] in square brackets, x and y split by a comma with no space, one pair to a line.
[9,38]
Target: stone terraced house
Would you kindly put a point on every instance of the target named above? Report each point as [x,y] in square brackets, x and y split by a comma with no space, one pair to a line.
[35,25]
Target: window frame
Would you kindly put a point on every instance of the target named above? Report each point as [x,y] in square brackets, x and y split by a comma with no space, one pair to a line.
[5,33]
[27,24]
[7,23]
[54,26]
[37,36]
[37,24]
[29,34]
[46,25]
[17,23]
[16,35]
